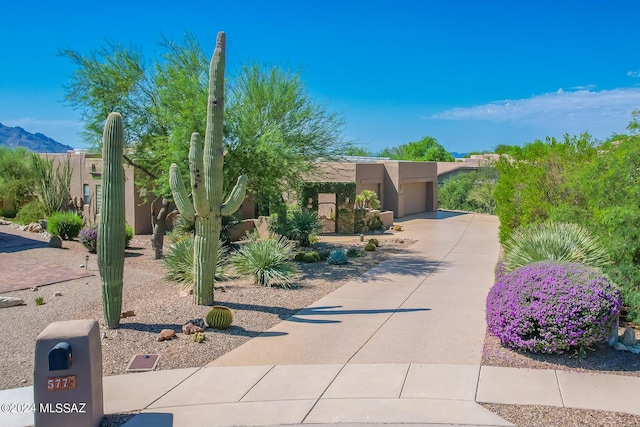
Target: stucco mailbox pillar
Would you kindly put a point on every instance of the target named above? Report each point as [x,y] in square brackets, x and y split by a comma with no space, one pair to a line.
[67,376]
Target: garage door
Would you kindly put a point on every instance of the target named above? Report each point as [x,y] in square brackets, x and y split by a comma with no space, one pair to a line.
[415,197]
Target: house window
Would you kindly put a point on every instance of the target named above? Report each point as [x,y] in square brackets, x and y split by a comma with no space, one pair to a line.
[98,198]
[86,192]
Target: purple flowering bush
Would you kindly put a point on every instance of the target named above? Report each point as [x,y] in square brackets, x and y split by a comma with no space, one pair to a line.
[552,307]
[89,238]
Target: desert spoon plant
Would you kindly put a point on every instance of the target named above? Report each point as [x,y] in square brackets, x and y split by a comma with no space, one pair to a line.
[205,169]
[111,235]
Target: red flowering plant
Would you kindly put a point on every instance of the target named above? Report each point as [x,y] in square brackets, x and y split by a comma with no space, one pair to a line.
[552,307]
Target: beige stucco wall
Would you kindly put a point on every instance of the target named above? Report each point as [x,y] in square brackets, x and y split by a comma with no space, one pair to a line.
[87,169]
[400,173]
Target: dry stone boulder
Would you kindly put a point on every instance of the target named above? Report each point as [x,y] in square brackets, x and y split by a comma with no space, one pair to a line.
[10,302]
[193,326]
[166,335]
[629,337]
[55,242]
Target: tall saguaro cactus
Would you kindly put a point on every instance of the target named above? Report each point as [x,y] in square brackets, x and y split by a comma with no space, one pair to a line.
[111,234]
[205,167]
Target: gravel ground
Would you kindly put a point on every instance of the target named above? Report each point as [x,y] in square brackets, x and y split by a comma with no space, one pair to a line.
[158,305]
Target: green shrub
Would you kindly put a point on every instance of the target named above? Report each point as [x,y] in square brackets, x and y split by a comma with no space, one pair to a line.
[367,199]
[338,257]
[228,222]
[303,225]
[324,254]
[32,211]
[370,247]
[128,230]
[553,242]
[39,301]
[374,241]
[354,253]
[310,257]
[67,225]
[267,261]
[179,262]
[374,223]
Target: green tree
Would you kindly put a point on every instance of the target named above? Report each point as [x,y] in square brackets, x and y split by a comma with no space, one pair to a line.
[276,132]
[356,151]
[427,149]
[16,179]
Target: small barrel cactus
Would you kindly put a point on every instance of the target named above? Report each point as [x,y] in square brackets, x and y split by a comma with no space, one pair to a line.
[370,247]
[198,337]
[375,242]
[338,257]
[219,317]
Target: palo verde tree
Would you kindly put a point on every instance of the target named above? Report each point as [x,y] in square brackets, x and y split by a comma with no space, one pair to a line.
[276,132]
[157,102]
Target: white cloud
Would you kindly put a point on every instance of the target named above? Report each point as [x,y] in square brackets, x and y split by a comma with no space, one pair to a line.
[634,74]
[579,107]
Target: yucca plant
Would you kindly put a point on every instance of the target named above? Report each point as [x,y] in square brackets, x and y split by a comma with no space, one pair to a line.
[554,242]
[179,262]
[304,224]
[267,261]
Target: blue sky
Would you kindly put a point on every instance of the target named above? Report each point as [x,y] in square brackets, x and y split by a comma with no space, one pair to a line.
[472,74]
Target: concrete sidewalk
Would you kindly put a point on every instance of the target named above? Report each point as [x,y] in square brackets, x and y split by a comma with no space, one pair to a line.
[401,345]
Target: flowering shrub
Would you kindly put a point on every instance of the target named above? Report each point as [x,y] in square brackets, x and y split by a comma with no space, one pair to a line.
[89,238]
[552,307]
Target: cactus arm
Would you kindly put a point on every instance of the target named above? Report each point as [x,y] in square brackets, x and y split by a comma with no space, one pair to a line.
[196,169]
[213,149]
[235,198]
[180,195]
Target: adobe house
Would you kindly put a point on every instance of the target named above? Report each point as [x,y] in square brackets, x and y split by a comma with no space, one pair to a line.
[404,187]
[86,181]
[474,162]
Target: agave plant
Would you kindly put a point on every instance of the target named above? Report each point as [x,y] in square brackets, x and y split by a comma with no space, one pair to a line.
[267,261]
[553,242]
[303,225]
[179,262]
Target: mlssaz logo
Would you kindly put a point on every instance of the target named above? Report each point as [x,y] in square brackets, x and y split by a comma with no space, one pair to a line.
[63,408]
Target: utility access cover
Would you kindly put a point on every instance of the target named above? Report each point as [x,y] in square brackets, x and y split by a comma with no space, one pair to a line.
[143,362]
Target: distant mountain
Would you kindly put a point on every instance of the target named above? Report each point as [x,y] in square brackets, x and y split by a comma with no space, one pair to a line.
[457,155]
[18,137]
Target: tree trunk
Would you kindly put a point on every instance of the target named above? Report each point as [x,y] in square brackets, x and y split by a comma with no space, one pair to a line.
[159,222]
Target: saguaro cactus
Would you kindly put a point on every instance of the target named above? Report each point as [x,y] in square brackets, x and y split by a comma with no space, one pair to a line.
[205,167]
[111,231]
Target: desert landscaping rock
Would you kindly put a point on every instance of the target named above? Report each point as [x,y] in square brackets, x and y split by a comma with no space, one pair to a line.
[55,242]
[166,335]
[6,302]
[190,328]
[629,337]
